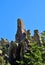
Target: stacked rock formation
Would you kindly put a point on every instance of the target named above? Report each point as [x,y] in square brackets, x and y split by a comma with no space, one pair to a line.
[37,37]
[20,46]
[20,30]
[21,34]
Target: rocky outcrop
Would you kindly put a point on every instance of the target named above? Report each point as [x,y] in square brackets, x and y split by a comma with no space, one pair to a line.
[37,37]
[4,41]
[21,32]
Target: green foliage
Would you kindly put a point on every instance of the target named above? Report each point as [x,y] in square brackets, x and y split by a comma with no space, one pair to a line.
[43,37]
[2,61]
[4,49]
[36,55]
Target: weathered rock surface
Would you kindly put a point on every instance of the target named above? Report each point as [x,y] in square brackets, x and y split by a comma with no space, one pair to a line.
[21,32]
[37,37]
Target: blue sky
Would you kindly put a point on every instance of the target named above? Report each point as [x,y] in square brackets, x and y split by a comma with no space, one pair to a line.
[32,12]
